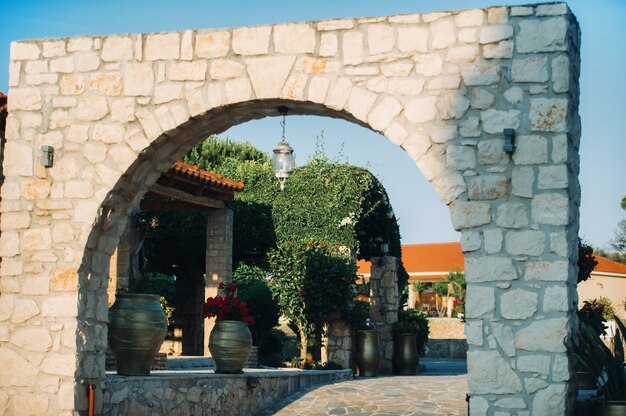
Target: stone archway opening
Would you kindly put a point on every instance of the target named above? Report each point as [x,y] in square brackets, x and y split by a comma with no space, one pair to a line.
[119,110]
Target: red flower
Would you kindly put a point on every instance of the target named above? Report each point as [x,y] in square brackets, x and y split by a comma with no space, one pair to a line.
[221,285]
[336,244]
[233,287]
[309,244]
[302,293]
[236,302]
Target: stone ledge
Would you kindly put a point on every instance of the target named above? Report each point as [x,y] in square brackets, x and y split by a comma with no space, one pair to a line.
[202,392]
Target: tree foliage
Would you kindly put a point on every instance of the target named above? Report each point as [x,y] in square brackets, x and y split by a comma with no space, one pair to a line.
[310,281]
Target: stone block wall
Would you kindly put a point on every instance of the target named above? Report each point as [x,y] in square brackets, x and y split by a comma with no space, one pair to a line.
[120,109]
[384,302]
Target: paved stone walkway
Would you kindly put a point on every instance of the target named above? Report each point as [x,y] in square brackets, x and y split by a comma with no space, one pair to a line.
[438,391]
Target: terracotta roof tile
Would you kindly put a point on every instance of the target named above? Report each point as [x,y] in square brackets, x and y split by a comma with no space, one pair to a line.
[433,261]
[204,177]
[609,266]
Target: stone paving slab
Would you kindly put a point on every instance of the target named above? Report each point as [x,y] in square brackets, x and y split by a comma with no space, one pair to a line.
[438,391]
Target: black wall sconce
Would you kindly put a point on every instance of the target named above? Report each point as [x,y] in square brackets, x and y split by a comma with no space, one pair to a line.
[47,155]
[509,141]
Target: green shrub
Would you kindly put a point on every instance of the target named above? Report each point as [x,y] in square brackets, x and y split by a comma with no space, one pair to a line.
[271,348]
[254,290]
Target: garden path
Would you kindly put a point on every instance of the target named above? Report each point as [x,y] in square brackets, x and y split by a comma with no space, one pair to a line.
[440,390]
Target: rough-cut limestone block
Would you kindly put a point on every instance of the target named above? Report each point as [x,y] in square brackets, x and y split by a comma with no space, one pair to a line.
[32,339]
[431,165]
[72,84]
[490,373]
[489,269]
[35,188]
[36,239]
[59,364]
[500,50]
[294,38]
[452,106]
[106,83]
[550,209]
[522,179]
[318,88]
[352,48]
[534,364]
[470,214]
[467,18]
[547,271]
[268,75]
[18,159]
[518,304]
[64,65]
[541,35]
[487,187]
[560,74]
[359,102]
[328,44]
[428,64]
[548,114]
[533,69]
[493,241]
[550,401]
[555,299]
[412,39]
[495,121]
[443,34]
[338,24]
[380,39]
[238,90]
[24,51]
[558,244]
[117,48]
[552,177]
[27,99]
[162,46]
[504,336]
[480,74]
[461,157]
[474,332]
[482,99]
[226,69]
[212,44]
[108,133]
[138,79]
[512,215]
[420,110]
[54,48]
[470,241]
[543,335]
[251,40]
[480,302]
[492,34]
[526,242]
[88,62]
[382,115]
[449,186]
[530,150]
[468,35]
[23,310]
[187,71]
[163,93]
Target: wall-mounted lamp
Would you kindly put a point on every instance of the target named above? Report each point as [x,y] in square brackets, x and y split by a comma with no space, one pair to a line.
[47,155]
[509,141]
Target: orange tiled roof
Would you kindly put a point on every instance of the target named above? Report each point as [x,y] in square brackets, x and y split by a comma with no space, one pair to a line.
[433,261]
[204,177]
[609,266]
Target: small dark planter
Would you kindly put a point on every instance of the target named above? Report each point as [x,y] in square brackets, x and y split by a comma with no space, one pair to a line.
[405,357]
[367,353]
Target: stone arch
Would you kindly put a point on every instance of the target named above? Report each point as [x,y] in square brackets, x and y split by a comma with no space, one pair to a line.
[121,109]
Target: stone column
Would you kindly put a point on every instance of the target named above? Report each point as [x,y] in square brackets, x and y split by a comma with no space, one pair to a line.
[219,257]
[384,305]
[337,345]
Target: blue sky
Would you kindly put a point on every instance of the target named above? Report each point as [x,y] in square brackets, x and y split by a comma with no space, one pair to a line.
[422,217]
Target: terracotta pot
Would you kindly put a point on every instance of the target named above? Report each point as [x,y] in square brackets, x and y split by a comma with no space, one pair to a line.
[367,353]
[230,344]
[405,358]
[137,328]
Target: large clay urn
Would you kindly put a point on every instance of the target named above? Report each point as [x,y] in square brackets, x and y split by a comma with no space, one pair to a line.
[367,352]
[405,358]
[230,344]
[137,328]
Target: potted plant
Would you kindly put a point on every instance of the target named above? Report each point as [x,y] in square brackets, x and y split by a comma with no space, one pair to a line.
[230,340]
[591,315]
[606,367]
[410,334]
